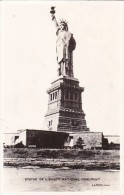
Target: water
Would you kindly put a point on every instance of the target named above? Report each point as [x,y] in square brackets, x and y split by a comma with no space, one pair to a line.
[44,179]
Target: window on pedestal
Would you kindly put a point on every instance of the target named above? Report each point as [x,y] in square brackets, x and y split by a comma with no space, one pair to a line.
[50,123]
[50,97]
[53,96]
[56,95]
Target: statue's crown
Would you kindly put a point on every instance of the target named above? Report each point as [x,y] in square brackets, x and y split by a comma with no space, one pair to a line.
[63,21]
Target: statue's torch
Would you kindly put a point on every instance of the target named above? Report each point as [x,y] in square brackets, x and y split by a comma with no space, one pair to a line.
[52,11]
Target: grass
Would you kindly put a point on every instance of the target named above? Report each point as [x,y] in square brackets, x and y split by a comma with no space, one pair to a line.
[62,154]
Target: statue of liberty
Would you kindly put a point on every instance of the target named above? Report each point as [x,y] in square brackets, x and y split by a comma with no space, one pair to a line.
[64,47]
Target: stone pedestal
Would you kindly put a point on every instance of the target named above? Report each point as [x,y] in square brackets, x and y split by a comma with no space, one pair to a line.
[65,106]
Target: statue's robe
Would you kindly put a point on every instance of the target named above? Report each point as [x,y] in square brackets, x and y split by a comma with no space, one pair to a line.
[64,46]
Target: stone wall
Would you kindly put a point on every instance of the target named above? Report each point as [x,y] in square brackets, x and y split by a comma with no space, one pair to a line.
[53,139]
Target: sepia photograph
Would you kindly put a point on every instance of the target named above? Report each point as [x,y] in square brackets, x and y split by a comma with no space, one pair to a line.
[62,96]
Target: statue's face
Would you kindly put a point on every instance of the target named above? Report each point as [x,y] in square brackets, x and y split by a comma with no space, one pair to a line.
[62,26]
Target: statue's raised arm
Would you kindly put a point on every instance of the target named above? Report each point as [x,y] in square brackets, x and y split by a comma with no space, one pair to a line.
[55,21]
[64,46]
[53,17]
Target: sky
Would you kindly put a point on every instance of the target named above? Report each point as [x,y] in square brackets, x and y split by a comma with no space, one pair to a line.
[29,61]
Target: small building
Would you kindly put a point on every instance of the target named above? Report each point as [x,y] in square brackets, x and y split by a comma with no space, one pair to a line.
[33,138]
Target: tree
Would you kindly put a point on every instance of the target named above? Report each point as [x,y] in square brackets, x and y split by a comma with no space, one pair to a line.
[79,143]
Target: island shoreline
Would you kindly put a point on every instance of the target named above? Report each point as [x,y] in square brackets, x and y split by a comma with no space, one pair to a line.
[66,159]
